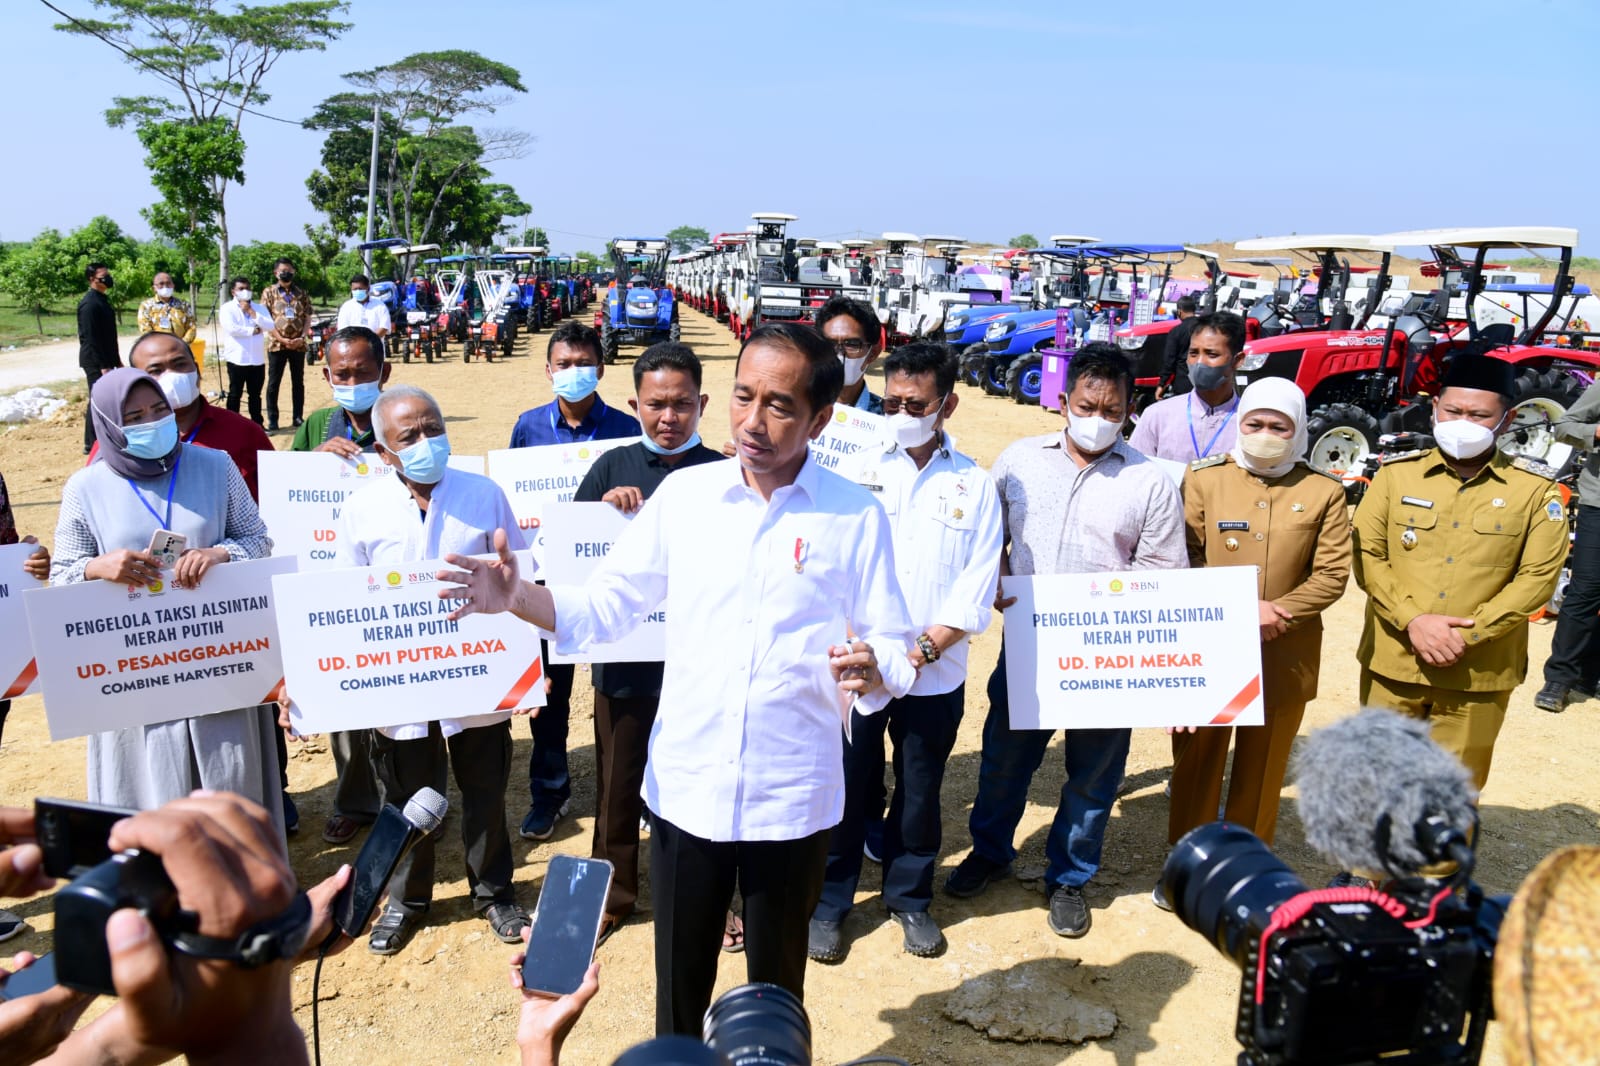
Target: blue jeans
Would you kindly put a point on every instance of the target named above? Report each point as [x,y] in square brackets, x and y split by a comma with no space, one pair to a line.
[1095,761]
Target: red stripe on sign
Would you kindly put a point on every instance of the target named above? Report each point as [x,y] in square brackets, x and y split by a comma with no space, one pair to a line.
[275,693]
[1239,703]
[513,698]
[24,679]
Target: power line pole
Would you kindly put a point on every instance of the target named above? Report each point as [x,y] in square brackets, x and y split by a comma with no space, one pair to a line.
[372,187]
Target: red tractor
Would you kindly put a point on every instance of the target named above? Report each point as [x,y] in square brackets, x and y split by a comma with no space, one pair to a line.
[1362,381]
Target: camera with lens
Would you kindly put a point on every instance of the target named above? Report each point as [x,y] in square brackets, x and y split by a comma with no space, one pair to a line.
[1346,975]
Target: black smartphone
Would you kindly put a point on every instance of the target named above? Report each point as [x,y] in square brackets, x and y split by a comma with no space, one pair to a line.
[566,924]
[390,837]
[73,834]
[31,980]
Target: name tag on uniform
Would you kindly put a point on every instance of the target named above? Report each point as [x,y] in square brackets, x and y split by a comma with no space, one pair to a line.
[1413,501]
[1226,527]
[870,487]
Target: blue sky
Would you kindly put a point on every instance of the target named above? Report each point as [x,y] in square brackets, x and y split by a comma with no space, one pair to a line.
[1153,121]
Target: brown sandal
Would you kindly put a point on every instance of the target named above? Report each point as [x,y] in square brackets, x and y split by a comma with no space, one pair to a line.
[339,830]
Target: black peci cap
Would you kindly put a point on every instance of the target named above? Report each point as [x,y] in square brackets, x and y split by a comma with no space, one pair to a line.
[1480,372]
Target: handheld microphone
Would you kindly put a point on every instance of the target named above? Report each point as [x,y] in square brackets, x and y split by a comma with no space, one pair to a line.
[1376,793]
[393,834]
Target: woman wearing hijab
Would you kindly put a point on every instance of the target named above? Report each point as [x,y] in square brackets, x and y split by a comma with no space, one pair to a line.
[1260,505]
[145,479]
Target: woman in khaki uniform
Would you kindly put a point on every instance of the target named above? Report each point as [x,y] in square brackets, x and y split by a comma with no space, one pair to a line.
[1262,506]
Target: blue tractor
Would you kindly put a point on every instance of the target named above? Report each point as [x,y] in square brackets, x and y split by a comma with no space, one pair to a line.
[639,308]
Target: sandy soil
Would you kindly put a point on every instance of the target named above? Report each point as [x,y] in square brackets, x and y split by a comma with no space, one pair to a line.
[444,999]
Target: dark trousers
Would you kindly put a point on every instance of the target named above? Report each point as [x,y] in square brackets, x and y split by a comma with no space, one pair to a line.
[693,882]
[481,762]
[621,743]
[357,793]
[549,784]
[240,379]
[91,374]
[1574,653]
[296,362]
[1095,761]
[923,729]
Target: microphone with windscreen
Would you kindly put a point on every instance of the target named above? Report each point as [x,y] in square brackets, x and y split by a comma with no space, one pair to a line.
[1377,794]
[394,833]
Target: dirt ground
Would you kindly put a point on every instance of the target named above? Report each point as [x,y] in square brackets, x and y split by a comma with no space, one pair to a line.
[445,998]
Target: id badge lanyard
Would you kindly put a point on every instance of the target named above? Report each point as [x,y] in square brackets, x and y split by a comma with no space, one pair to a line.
[172,484]
[1188,409]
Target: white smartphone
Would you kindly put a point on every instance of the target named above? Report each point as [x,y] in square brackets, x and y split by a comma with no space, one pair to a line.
[166,546]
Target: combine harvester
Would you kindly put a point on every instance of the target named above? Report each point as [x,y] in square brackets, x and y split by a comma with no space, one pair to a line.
[639,308]
[765,282]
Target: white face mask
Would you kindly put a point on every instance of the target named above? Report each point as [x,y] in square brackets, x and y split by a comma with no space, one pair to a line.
[909,432]
[1092,434]
[1462,439]
[243,296]
[854,369]
[181,390]
[165,292]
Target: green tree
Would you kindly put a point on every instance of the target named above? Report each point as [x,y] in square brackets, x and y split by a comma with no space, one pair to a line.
[1024,240]
[101,240]
[254,261]
[184,157]
[535,236]
[591,262]
[35,273]
[427,153]
[212,63]
[685,237]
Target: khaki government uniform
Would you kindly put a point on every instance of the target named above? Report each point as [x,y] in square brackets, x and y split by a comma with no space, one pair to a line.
[1295,530]
[1489,549]
[167,316]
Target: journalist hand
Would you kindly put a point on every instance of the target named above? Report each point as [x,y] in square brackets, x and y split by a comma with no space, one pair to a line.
[547,1021]
[32,1026]
[21,863]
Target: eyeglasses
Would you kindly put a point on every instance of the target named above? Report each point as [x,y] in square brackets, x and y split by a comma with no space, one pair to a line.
[852,347]
[914,408]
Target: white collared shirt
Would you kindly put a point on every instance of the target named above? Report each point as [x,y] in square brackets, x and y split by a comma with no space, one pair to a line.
[243,346]
[373,314]
[383,526]
[947,540]
[747,744]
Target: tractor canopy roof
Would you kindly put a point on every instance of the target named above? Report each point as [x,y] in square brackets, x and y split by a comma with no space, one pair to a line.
[525,250]
[895,235]
[386,242]
[1486,237]
[1318,242]
[639,245]
[1068,240]
[1263,261]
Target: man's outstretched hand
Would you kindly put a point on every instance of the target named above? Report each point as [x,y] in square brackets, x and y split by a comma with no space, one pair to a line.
[481,587]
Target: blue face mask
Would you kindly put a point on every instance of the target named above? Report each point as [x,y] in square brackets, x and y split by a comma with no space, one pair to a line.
[424,462]
[359,294]
[357,398]
[652,446]
[152,440]
[575,383]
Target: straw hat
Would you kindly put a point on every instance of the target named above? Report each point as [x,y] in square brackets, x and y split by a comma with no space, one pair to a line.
[1547,965]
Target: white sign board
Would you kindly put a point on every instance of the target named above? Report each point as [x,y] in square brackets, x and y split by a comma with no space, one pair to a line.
[1142,648]
[577,539]
[302,495]
[115,656]
[17,671]
[543,474]
[372,646]
[849,431]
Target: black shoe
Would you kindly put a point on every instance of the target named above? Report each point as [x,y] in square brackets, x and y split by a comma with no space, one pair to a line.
[1346,879]
[922,936]
[825,942]
[297,422]
[272,427]
[1553,697]
[540,824]
[1069,913]
[391,931]
[11,925]
[973,875]
[507,920]
[1159,898]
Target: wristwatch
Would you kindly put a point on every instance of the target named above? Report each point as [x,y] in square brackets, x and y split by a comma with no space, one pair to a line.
[929,650]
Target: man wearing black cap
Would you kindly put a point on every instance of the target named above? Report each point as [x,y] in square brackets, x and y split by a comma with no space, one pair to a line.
[1455,547]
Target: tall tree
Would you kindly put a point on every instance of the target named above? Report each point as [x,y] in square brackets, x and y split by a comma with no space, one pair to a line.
[37,272]
[426,148]
[1023,240]
[685,237]
[212,63]
[183,156]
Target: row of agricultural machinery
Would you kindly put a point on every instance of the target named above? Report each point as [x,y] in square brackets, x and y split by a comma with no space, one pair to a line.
[1324,311]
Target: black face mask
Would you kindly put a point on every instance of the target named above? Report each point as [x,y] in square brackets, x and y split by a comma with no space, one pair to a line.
[286,277]
[106,281]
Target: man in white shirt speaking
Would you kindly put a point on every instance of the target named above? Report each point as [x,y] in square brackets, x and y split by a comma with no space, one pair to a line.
[945,515]
[362,310]
[428,511]
[780,584]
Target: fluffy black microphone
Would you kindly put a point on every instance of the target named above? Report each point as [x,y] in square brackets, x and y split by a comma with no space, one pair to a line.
[1376,793]
[394,833]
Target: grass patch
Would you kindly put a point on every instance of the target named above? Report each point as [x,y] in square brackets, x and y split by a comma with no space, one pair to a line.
[19,328]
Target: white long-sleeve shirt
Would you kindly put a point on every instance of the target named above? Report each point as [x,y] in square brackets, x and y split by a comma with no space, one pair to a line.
[947,541]
[383,526]
[747,744]
[242,346]
[372,314]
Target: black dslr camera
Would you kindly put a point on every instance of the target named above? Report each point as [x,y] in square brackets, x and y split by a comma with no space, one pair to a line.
[1340,976]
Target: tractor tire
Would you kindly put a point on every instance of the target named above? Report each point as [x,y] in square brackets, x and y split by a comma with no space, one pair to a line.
[993,379]
[1024,377]
[609,346]
[1541,397]
[405,349]
[972,369]
[1341,436]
